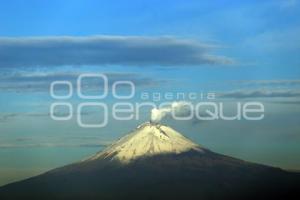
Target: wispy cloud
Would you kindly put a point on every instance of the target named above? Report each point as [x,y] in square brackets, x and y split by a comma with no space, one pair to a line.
[284,4]
[260,93]
[106,50]
[8,116]
[291,102]
[282,41]
[70,141]
[47,144]
[277,82]
[40,82]
[5,117]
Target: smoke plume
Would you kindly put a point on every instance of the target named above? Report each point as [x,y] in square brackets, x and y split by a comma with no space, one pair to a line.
[177,108]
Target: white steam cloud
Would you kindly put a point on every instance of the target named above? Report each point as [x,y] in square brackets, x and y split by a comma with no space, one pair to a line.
[176,108]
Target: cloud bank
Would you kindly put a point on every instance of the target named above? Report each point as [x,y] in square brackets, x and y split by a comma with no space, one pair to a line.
[105,50]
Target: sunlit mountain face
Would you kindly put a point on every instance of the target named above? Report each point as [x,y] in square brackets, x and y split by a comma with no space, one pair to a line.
[161,99]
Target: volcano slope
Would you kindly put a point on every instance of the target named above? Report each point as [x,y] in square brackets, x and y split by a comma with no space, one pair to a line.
[156,162]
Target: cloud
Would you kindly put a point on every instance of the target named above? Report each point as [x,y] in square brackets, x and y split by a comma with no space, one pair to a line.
[7,117]
[282,82]
[260,93]
[105,50]
[63,141]
[285,4]
[181,109]
[177,108]
[47,144]
[293,102]
[276,41]
[40,82]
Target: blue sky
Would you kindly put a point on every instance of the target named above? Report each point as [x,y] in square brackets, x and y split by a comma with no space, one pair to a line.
[244,50]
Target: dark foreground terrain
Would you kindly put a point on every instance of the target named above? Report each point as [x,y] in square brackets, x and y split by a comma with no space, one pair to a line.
[189,175]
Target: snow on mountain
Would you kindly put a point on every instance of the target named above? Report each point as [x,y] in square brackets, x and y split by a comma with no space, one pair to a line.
[146,140]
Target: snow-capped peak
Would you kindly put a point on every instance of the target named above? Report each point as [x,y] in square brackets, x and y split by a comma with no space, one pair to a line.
[146,140]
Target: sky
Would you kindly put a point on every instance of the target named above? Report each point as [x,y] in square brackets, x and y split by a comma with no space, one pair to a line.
[240,50]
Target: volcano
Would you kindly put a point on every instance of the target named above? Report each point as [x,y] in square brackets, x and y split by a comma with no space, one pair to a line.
[157,162]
